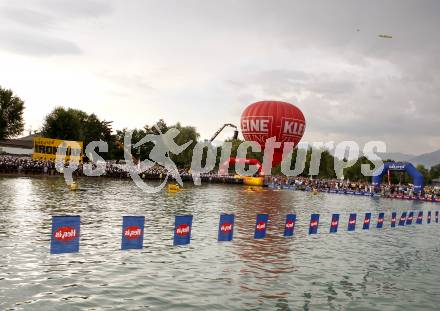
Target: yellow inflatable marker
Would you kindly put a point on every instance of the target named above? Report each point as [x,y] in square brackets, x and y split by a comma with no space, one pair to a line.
[73,186]
[173,188]
[254,189]
[253,181]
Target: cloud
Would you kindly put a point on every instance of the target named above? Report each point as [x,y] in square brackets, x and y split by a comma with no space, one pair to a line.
[76,9]
[37,29]
[26,17]
[36,44]
[127,82]
[355,105]
[181,60]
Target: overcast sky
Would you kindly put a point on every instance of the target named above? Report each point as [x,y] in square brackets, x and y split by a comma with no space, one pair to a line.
[201,62]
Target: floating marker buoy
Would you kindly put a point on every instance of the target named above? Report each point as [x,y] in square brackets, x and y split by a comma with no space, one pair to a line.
[173,188]
[253,181]
[73,186]
[254,189]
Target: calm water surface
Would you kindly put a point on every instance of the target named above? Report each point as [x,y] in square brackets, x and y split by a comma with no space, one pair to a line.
[388,269]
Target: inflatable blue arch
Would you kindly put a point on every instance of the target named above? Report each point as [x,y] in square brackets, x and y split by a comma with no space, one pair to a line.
[399,167]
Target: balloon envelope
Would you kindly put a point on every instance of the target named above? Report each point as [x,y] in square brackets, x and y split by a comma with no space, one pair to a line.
[266,119]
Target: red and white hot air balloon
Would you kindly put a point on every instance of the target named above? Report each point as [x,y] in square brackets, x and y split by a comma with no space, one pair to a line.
[266,119]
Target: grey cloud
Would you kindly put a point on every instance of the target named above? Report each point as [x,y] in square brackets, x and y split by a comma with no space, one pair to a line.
[27,17]
[76,9]
[35,29]
[127,81]
[347,105]
[36,44]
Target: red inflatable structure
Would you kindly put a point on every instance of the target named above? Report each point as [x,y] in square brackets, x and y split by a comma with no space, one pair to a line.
[266,119]
[223,169]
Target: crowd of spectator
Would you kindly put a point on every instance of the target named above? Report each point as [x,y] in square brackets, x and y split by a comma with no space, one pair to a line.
[386,190]
[27,166]
[115,169]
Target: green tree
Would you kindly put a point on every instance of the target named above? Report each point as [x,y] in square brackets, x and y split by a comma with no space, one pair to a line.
[434,172]
[74,124]
[354,172]
[425,172]
[65,124]
[142,152]
[11,114]
[326,167]
[187,133]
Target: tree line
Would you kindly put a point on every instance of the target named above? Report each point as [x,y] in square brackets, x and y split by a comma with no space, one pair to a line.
[74,124]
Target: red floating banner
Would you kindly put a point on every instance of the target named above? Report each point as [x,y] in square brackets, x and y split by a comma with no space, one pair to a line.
[314,223]
[65,234]
[380,218]
[182,230]
[393,219]
[419,220]
[261,226]
[410,217]
[132,232]
[351,222]
[289,226]
[226,227]
[367,221]
[334,223]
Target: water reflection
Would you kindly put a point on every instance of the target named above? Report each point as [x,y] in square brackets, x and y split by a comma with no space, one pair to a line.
[361,269]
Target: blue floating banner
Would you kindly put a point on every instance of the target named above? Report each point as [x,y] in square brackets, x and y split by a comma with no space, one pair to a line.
[402,219]
[419,220]
[314,223]
[65,234]
[410,218]
[428,219]
[289,226]
[334,223]
[380,218]
[367,221]
[182,229]
[226,227]
[132,232]
[261,226]
[436,217]
[352,222]
[393,219]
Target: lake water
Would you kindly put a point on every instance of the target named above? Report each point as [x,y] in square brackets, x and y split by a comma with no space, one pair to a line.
[380,269]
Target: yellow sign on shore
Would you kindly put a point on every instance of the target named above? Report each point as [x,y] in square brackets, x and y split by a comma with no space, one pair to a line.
[46,149]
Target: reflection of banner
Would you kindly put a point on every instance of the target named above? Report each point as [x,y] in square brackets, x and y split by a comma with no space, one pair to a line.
[380,218]
[428,220]
[46,149]
[314,222]
[226,227]
[367,221]
[410,217]
[65,234]
[419,218]
[393,219]
[436,217]
[402,219]
[182,230]
[261,226]
[334,223]
[132,232]
[289,226]
[351,222]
